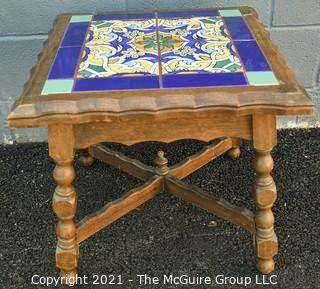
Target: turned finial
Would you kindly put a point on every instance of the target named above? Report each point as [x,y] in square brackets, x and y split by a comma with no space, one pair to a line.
[161,162]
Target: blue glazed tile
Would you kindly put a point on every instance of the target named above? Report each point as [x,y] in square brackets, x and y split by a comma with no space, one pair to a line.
[75,34]
[203,80]
[116,83]
[238,29]
[188,14]
[252,56]
[123,16]
[65,63]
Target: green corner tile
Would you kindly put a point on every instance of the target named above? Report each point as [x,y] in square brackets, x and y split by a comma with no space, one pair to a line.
[54,86]
[230,13]
[80,18]
[257,78]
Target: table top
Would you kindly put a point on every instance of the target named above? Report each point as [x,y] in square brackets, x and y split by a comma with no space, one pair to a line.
[148,62]
[157,50]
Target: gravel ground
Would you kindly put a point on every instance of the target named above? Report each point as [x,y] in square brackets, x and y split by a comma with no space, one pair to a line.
[165,235]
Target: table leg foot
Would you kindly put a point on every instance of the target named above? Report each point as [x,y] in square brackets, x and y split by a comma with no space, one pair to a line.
[86,159]
[265,266]
[234,152]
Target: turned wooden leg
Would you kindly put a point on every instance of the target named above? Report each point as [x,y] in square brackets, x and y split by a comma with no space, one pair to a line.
[86,159]
[234,152]
[265,194]
[64,200]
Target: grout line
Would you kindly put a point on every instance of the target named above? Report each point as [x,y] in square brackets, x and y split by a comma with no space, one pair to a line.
[272,9]
[41,36]
[294,26]
[159,50]
[316,78]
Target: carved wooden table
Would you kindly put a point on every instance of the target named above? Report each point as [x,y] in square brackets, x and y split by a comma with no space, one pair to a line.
[163,76]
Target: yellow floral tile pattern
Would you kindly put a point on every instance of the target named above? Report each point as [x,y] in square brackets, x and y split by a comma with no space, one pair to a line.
[134,47]
[200,45]
[119,48]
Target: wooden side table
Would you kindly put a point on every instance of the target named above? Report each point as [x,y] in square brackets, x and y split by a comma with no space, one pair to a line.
[162,76]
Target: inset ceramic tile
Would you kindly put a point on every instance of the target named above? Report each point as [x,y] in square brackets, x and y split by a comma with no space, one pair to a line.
[80,18]
[75,34]
[54,86]
[65,63]
[194,29]
[106,61]
[197,45]
[262,78]
[230,13]
[203,80]
[193,57]
[252,56]
[238,28]
[117,83]
[120,48]
[115,32]
[187,14]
